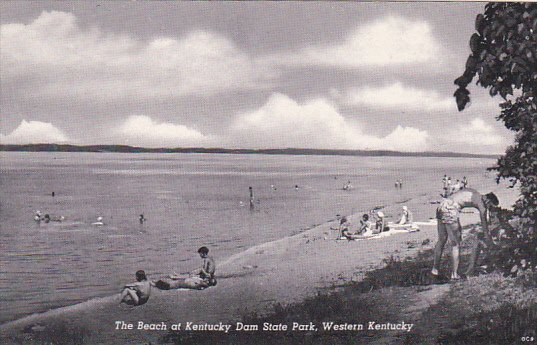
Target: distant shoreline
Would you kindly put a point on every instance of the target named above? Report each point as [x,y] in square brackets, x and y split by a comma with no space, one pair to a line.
[287,151]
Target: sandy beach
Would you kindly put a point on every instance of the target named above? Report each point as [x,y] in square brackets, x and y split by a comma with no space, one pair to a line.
[283,271]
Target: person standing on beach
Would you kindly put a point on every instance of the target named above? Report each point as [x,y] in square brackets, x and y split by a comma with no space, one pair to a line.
[449,226]
[464,183]
[251,198]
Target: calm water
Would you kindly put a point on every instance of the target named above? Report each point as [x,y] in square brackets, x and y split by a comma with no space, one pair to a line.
[189,200]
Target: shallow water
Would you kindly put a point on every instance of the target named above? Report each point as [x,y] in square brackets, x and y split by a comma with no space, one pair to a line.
[189,200]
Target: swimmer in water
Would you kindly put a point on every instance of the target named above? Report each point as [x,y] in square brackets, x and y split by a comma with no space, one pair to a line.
[37,216]
[99,221]
[142,219]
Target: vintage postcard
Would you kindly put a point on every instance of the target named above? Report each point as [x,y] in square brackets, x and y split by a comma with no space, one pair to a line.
[268,172]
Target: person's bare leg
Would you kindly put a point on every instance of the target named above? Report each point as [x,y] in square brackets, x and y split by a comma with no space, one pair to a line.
[439,247]
[132,294]
[455,254]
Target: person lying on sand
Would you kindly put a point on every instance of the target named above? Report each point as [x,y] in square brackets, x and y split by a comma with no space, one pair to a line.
[137,293]
[449,226]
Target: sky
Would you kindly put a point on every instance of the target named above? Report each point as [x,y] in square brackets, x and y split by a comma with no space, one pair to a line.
[323,75]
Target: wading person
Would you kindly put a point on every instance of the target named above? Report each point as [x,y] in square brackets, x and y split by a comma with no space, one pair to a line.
[449,226]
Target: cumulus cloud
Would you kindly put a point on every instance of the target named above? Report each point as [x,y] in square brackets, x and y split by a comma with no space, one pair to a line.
[390,41]
[141,130]
[397,96]
[478,133]
[283,122]
[34,132]
[59,58]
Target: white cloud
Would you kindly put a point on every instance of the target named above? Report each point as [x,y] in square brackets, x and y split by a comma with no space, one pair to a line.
[34,132]
[141,130]
[283,122]
[478,133]
[390,41]
[398,96]
[63,59]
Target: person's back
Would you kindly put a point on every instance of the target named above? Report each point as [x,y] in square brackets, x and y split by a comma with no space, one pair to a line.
[209,267]
[137,293]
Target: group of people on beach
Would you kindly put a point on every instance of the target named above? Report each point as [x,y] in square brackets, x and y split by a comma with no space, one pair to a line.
[371,224]
[450,187]
[138,293]
[455,198]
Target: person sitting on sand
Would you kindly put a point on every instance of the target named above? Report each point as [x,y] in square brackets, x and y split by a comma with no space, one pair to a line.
[449,226]
[343,227]
[137,293]
[380,223]
[406,217]
[198,279]
[208,268]
[365,226]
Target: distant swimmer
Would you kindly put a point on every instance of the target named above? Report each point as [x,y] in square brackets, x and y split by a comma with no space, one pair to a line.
[296,187]
[272,187]
[142,219]
[464,183]
[99,221]
[347,186]
[137,293]
[47,218]
[53,194]
[251,198]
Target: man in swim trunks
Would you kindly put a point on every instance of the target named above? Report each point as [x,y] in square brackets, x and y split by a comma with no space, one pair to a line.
[137,293]
[207,270]
[449,226]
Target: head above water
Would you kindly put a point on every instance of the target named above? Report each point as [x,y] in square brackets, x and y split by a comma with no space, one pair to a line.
[140,275]
[203,251]
[365,216]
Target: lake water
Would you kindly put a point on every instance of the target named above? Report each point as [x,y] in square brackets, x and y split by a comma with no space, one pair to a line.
[189,200]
